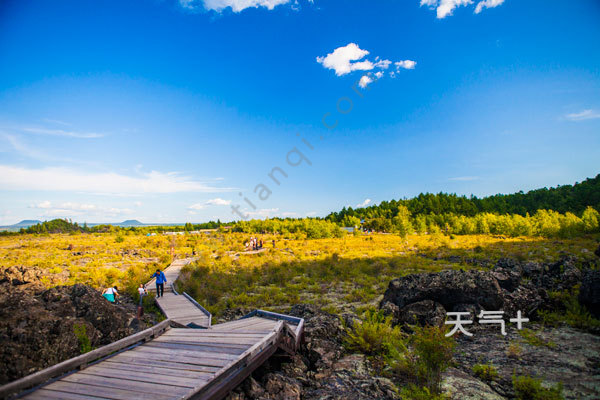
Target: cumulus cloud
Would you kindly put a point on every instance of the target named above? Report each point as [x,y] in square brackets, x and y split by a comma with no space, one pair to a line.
[487,4]
[341,60]
[66,179]
[218,202]
[235,5]
[445,8]
[364,81]
[351,57]
[405,64]
[212,202]
[583,115]
[364,203]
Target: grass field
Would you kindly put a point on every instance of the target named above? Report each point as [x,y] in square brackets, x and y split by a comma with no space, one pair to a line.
[348,273]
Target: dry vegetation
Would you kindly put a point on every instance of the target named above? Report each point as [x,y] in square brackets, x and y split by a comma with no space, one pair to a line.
[348,273]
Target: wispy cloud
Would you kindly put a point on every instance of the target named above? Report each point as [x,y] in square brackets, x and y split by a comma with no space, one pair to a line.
[56,121]
[464,178]
[583,115]
[71,209]
[235,5]
[445,8]
[364,203]
[67,179]
[60,132]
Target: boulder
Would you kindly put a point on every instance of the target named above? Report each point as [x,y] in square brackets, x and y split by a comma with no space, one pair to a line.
[448,288]
[426,312]
[589,293]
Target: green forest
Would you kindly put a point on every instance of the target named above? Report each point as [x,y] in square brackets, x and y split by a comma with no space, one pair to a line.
[564,211]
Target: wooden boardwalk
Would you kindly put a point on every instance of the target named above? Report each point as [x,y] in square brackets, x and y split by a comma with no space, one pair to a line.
[168,361]
[180,308]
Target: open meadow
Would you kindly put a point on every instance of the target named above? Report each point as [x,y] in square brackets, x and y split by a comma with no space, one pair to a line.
[338,274]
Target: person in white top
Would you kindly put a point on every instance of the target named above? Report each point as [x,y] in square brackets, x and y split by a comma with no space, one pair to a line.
[111,294]
[142,291]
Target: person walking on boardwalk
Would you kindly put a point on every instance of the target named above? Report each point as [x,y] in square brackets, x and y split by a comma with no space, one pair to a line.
[142,292]
[111,294]
[161,279]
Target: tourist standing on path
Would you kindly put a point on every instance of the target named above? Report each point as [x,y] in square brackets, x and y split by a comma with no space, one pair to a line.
[161,279]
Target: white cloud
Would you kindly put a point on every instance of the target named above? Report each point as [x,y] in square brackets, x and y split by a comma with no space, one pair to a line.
[218,202]
[583,115]
[351,57]
[445,8]
[43,204]
[263,213]
[78,209]
[236,5]
[66,179]
[212,202]
[464,178]
[406,64]
[364,203]
[364,81]
[341,60]
[60,132]
[138,203]
[487,4]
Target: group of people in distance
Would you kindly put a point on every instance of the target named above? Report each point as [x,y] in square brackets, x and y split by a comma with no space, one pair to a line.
[254,244]
[112,294]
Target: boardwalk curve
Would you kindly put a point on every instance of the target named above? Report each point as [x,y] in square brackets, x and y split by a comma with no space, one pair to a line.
[171,360]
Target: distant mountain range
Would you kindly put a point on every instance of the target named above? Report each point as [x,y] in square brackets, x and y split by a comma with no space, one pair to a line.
[26,223]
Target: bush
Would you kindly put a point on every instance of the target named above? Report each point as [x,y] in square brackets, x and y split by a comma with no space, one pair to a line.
[413,392]
[81,335]
[374,336]
[529,388]
[428,356]
[486,372]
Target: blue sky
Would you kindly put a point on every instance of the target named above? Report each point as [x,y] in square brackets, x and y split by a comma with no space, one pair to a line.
[165,111]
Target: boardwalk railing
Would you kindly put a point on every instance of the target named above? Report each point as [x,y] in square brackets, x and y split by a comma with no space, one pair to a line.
[169,360]
[82,361]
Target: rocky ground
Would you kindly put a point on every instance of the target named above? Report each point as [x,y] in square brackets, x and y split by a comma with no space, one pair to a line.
[324,370]
[37,326]
[37,330]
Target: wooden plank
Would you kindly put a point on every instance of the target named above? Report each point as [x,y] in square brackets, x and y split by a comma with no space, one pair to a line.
[211,339]
[104,392]
[208,332]
[134,386]
[45,394]
[162,370]
[68,365]
[141,376]
[210,362]
[126,358]
[206,347]
[270,340]
[191,350]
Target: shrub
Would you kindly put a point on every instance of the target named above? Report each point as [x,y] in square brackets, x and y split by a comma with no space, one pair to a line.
[81,335]
[374,336]
[486,372]
[535,340]
[413,392]
[429,354]
[529,388]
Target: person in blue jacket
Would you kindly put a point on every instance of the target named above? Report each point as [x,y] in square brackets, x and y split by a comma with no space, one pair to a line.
[161,279]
